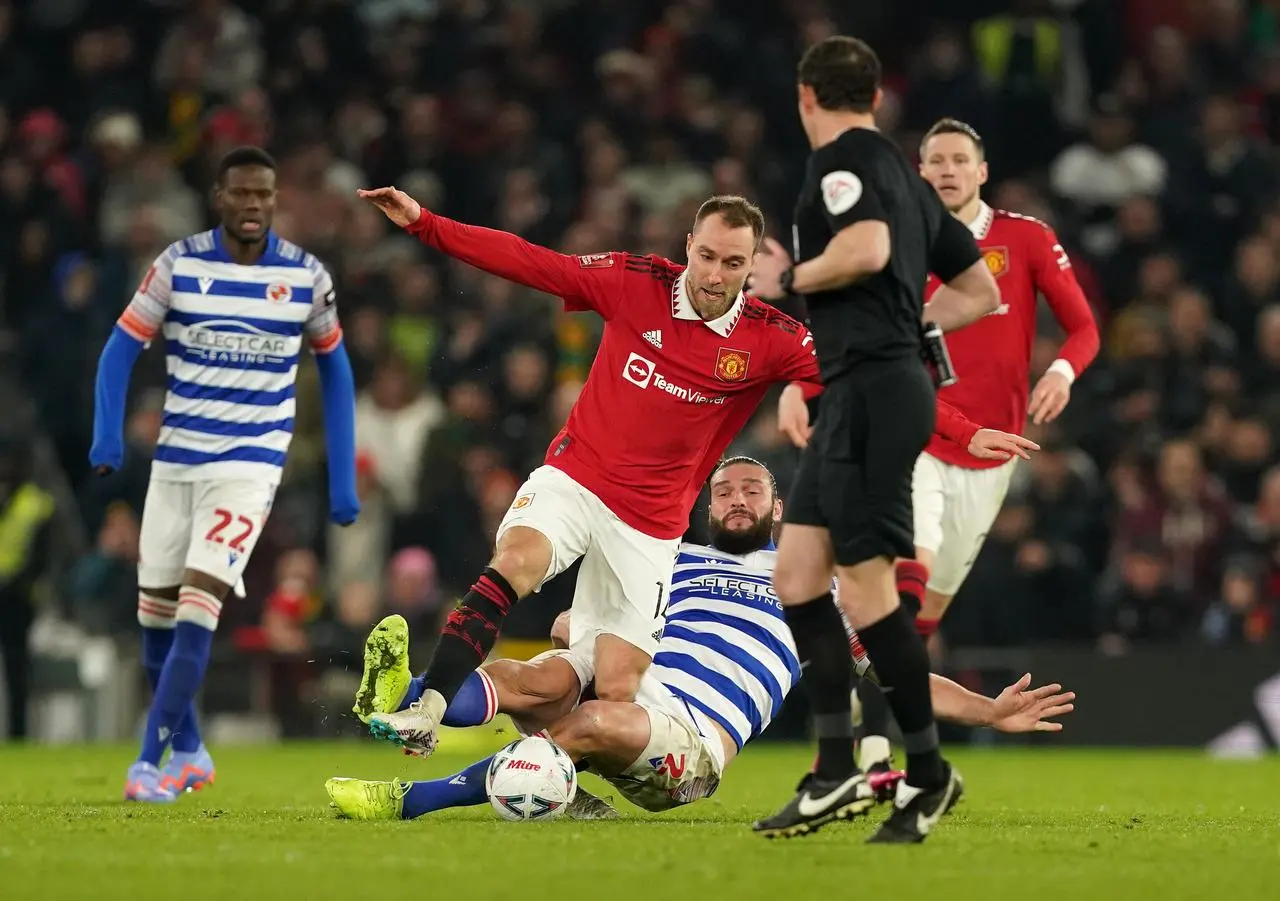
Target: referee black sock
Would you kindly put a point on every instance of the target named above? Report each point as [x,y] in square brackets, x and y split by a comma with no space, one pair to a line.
[469,633]
[875,706]
[902,663]
[827,670]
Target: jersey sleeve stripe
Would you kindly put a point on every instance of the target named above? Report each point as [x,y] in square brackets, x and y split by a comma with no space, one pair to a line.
[135,327]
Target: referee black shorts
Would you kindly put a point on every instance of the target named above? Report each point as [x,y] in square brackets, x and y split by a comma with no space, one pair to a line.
[854,478]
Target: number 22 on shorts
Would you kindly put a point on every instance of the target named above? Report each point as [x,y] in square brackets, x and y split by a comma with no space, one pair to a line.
[239,535]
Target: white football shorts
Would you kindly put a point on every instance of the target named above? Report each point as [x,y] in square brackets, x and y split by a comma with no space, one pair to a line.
[625,579]
[211,527]
[954,508]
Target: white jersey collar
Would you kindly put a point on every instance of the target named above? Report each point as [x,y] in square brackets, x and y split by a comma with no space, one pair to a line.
[682,308]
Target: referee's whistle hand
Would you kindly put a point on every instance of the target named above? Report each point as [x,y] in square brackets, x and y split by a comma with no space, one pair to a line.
[793,416]
[990,444]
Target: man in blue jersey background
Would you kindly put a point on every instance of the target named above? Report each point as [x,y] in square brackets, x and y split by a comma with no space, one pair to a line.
[233,306]
[725,663]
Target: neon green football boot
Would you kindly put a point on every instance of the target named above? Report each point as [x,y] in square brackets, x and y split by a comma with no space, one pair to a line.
[359,799]
[386,669]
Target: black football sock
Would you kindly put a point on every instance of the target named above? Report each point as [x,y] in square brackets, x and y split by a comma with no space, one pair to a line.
[469,633]
[902,663]
[827,673]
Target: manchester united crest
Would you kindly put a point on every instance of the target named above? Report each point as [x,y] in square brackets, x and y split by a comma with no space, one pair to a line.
[997,259]
[731,365]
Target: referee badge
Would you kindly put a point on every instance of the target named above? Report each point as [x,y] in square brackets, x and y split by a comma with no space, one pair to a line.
[731,365]
[997,259]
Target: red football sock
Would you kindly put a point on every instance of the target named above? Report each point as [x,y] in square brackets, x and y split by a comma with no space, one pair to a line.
[912,578]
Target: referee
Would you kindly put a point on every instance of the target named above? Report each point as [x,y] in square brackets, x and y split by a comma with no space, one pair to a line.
[868,230]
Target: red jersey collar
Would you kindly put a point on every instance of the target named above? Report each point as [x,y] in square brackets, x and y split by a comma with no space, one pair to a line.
[682,308]
[981,223]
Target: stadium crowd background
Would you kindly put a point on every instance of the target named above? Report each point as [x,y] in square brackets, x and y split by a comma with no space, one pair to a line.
[1145,131]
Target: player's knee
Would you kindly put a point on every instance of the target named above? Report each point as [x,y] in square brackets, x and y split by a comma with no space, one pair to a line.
[201,581]
[586,728]
[198,607]
[523,558]
[560,631]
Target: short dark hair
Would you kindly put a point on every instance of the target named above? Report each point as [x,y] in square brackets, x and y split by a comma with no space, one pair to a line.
[949,126]
[844,73]
[743,458]
[737,212]
[245,156]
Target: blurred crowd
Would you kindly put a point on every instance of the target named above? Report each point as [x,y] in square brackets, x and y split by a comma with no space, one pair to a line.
[1145,131]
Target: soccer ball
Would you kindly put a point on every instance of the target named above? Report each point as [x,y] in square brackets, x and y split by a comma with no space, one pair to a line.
[531,779]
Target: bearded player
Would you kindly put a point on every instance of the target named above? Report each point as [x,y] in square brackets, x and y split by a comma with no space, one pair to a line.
[685,359]
[725,663]
[955,496]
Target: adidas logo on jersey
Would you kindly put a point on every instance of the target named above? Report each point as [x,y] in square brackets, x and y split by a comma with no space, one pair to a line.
[654,337]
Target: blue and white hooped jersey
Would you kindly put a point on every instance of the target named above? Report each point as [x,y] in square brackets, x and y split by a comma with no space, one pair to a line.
[232,336]
[726,649]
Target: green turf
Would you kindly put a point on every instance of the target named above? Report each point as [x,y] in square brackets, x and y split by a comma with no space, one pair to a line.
[1041,825]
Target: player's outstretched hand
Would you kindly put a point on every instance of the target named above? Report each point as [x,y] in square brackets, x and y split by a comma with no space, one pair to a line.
[793,416]
[398,206]
[771,261]
[1049,397]
[989,444]
[1020,708]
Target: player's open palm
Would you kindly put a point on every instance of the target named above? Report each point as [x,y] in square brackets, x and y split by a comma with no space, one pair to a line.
[1020,708]
[990,444]
[398,206]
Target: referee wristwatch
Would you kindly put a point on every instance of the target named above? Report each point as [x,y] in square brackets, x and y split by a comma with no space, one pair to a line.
[786,281]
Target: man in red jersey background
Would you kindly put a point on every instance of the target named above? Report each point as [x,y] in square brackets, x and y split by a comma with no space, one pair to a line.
[955,496]
[683,364]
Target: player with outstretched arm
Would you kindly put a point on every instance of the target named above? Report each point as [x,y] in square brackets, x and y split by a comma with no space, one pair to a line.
[724,665]
[233,306]
[685,359]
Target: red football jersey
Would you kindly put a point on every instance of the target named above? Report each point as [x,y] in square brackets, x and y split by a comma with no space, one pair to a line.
[992,357]
[667,392]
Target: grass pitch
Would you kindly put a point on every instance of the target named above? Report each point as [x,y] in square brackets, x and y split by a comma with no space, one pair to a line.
[1042,824]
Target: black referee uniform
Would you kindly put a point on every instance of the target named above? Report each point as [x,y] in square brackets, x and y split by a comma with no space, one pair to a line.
[878,407]
[854,479]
